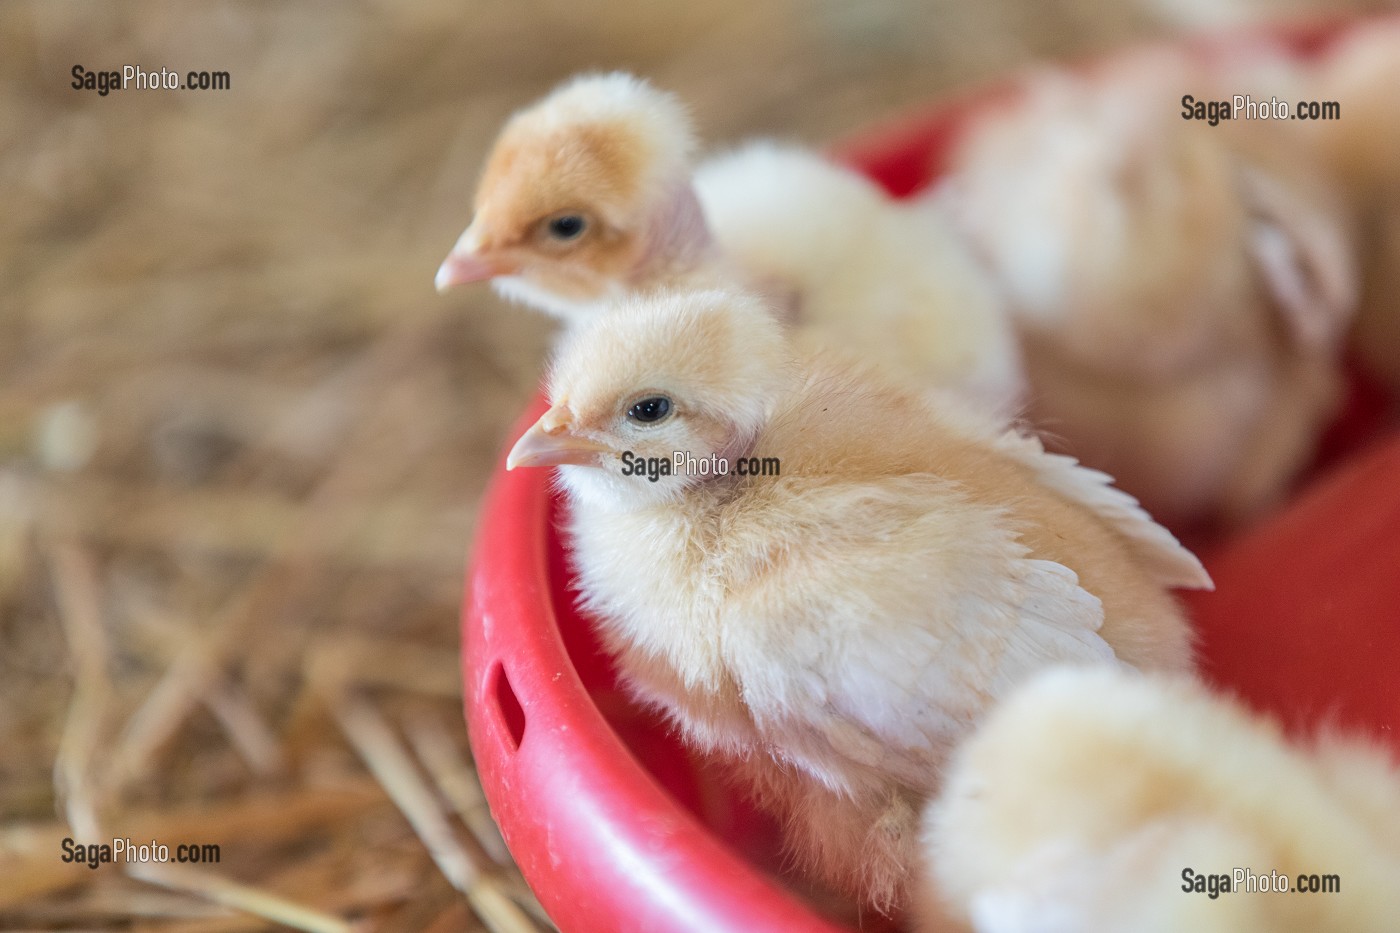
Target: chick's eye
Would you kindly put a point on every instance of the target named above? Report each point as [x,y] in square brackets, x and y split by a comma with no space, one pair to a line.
[650,410]
[566,226]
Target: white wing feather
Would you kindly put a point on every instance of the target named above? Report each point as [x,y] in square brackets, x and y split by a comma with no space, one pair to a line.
[888,686]
[1170,562]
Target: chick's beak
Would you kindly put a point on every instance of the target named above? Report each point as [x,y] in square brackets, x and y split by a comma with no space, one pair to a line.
[468,262]
[551,442]
[460,269]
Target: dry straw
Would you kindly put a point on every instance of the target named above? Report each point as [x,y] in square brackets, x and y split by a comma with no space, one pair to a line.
[242,440]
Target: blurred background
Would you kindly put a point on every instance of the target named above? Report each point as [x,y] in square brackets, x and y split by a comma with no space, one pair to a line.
[242,440]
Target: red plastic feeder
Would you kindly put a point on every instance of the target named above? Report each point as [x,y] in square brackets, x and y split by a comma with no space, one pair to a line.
[617,828]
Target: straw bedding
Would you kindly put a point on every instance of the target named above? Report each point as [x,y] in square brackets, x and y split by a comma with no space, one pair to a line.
[242,441]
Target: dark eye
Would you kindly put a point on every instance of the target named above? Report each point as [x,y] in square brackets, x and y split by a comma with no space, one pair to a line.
[566,226]
[650,410]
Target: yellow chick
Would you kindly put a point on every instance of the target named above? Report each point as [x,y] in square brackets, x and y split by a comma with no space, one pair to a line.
[1181,289]
[838,242]
[1103,801]
[831,613]
[588,195]
[1361,73]
[1376,335]
[585,197]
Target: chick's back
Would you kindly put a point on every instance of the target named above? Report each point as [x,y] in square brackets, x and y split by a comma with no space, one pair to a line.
[848,427]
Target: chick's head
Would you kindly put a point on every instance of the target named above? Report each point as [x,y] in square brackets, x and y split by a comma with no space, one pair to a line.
[574,190]
[678,378]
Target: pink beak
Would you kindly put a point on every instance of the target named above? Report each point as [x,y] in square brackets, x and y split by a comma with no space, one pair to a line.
[551,442]
[467,262]
[459,268]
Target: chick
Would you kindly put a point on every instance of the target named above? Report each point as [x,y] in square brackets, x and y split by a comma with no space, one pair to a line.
[831,628]
[1361,73]
[1376,336]
[1180,289]
[588,195]
[838,242]
[585,197]
[1084,798]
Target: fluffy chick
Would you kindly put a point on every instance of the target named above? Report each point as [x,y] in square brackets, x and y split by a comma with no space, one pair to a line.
[1181,289]
[585,196]
[1361,73]
[608,157]
[787,215]
[832,631]
[1376,336]
[1077,804]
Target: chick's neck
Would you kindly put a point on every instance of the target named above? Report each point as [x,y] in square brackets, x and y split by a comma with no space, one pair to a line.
[679,246]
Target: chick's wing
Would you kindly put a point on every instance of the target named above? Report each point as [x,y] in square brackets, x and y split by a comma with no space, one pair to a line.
[876,621]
